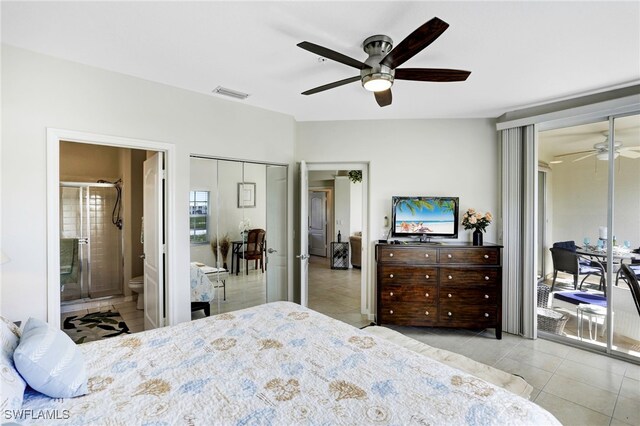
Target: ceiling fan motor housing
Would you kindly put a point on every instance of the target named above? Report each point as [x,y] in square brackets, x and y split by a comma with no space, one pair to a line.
[377,47]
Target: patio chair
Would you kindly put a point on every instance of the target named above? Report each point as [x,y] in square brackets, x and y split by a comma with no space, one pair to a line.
[631,278]
[566,260]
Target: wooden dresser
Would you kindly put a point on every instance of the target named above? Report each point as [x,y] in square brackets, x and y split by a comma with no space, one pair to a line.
[448,285]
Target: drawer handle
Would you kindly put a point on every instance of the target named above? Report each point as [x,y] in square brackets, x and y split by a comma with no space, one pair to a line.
[486,315]
[391,312]
[486,256]
[449,313]
[486,278]
[426,276]
[449,295]
[391,293]
[486,296]
[450,277]
[390,275]
[390,254]
[426,255]
[449,256]
[426,295]
[426,313]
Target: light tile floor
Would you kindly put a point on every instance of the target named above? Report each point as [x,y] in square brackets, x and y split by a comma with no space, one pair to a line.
[577,386]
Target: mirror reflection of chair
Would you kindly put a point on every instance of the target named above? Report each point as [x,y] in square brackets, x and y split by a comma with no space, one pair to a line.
[253,250]
[565,259]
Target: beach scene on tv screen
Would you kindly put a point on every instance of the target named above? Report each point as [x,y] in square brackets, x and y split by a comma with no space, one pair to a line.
[424,216]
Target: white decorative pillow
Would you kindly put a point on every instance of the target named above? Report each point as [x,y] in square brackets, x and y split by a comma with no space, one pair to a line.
[50,362]
[12,384]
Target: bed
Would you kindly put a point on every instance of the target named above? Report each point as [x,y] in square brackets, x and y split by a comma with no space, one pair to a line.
[280,364]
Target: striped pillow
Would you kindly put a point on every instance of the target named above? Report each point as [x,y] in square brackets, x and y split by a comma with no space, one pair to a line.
[50,362]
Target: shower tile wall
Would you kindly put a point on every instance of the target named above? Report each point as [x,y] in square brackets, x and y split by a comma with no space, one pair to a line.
[101,266]
[106,243]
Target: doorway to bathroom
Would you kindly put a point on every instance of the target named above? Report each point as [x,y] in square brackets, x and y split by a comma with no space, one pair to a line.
[109,234]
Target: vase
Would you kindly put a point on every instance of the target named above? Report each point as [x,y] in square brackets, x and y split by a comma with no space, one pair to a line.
[477,237]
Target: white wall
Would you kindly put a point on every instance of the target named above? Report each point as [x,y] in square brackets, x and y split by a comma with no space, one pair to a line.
[412,157]
[579,194]
[356,207]
[341,208]
[40,91]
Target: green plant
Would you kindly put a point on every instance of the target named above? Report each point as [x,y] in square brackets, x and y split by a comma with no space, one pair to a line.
[355,176]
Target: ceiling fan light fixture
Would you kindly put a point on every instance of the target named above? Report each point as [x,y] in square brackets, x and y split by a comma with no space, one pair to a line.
[604,156]
[377,82]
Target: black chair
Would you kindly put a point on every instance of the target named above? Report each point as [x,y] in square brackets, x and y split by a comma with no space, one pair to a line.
[254,250]
[635,263]
[631,278]
[568,261]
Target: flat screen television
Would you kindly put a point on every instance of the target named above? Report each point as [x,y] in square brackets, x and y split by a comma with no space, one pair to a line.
[425,217]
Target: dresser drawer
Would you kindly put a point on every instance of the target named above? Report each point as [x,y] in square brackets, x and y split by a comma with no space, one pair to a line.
[392,254]
[469,276]
[390,274]
[469,316]
[407,314]
[468,297]
[409,293]
[476,256]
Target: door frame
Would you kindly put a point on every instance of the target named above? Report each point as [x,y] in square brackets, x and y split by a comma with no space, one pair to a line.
[54,137]
[366,286]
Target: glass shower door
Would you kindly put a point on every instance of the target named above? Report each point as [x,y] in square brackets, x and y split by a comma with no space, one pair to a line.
[73,244]
[90,244]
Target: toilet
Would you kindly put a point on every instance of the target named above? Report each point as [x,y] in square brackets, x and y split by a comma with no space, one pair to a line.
[136,285]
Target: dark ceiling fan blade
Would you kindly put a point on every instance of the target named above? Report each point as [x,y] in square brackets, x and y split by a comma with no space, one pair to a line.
[415,42]
[431,74]
[331,85]
[383,98]
[332,54]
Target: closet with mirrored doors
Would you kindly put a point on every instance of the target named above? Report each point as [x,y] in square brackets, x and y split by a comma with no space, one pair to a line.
[238,234]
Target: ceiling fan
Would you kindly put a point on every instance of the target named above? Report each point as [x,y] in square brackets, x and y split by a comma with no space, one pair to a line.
[601,151]
[380,69]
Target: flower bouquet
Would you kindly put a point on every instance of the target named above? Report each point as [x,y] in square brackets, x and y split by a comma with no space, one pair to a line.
[478,222]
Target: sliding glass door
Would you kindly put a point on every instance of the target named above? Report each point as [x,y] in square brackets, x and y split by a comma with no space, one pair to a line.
[591,206]
[624,244]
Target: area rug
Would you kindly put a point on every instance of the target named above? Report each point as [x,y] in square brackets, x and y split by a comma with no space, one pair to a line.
[94,326]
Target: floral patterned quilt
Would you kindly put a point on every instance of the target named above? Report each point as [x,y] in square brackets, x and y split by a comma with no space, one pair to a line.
[278,364]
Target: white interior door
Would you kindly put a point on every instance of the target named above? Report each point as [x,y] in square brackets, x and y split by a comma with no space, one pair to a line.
[318,223]
[304,234]
[153,243]
[276,256]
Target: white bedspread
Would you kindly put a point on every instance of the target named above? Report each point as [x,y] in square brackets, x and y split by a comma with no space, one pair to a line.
[276,364]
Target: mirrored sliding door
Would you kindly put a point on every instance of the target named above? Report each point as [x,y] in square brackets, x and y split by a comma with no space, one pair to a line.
[245,249]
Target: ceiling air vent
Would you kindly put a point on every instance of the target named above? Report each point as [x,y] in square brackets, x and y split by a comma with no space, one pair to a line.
[231,93]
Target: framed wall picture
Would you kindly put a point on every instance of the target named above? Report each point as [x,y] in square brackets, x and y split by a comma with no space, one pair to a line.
[246,194]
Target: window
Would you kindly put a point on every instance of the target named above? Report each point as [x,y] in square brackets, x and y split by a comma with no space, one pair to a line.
[199,217]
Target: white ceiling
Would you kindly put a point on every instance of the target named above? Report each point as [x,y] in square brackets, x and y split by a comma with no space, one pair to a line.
[520,53]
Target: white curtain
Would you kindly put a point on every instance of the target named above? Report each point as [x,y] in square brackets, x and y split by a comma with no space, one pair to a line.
[519,204]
